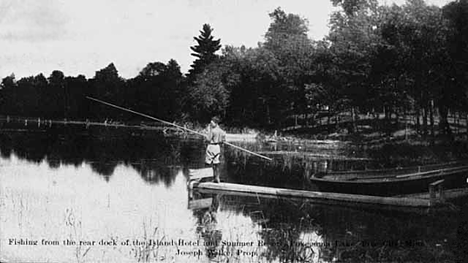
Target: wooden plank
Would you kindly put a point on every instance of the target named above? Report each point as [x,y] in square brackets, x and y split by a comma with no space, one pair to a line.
[437,182]
[195,174]
[200,203]
[449,194]
[320,196]
[360,206]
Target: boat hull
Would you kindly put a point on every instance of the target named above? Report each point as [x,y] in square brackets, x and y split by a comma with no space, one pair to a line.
[391,186]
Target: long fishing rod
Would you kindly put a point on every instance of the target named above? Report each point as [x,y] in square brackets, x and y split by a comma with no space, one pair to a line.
[172,124]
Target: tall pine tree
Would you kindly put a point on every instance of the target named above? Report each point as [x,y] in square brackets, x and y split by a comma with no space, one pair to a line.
[204,51]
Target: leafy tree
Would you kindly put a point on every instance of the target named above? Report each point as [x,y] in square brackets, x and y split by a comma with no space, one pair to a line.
[175,82]
[173,70]
[147,89]
[77,105]
[456,13]
[204,51]
[351,7]
[287,39]
[208,96]
[353,40]
[322,92]
[41,85]
[107,85]
[153,69]
[252,77]
[417,34]
[389,78]
[283,28]
[157,90]
[54,95]
[7,94]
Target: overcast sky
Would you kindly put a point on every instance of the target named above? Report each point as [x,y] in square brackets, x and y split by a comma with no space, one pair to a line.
[82,36]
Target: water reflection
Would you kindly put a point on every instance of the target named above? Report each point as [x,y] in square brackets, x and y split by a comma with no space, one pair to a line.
[157,157]
[73,203]
[461,243]
[207,225]
[113,185]
[298,231]
[154,156]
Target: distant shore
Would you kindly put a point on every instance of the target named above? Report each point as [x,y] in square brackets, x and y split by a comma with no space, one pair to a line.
[304,134]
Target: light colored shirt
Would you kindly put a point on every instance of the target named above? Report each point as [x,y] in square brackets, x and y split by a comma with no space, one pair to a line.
[216,135]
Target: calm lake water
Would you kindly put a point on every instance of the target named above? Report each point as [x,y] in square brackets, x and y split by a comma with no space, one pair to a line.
[119,195]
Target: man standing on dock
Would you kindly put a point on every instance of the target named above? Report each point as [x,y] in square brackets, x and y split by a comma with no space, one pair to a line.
[216,137]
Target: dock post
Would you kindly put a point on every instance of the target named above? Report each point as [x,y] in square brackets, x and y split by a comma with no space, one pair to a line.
[433,194]
[440,189]
[196,175]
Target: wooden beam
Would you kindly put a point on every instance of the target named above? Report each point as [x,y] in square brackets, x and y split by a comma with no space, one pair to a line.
[195,174]
[316,196]
[200,203]
[437,182]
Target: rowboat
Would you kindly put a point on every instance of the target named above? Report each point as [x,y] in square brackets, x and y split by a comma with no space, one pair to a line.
[387,183]
[399,170]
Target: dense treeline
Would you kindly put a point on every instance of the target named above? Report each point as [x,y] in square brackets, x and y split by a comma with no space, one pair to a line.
[390,63]
[156,91]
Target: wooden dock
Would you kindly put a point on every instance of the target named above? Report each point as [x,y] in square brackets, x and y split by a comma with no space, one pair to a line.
[420,202]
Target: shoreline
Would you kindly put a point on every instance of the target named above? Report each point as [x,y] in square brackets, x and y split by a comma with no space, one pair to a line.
[236,134]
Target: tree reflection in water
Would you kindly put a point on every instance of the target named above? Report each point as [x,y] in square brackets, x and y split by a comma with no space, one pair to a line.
[207,227]
[157,158]
[300,231]
[462,234]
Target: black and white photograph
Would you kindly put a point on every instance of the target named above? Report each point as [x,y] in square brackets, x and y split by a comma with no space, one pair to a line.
[262,131]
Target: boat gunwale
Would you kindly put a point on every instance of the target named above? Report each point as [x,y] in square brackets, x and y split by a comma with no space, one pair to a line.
[392,178]
[387,171]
